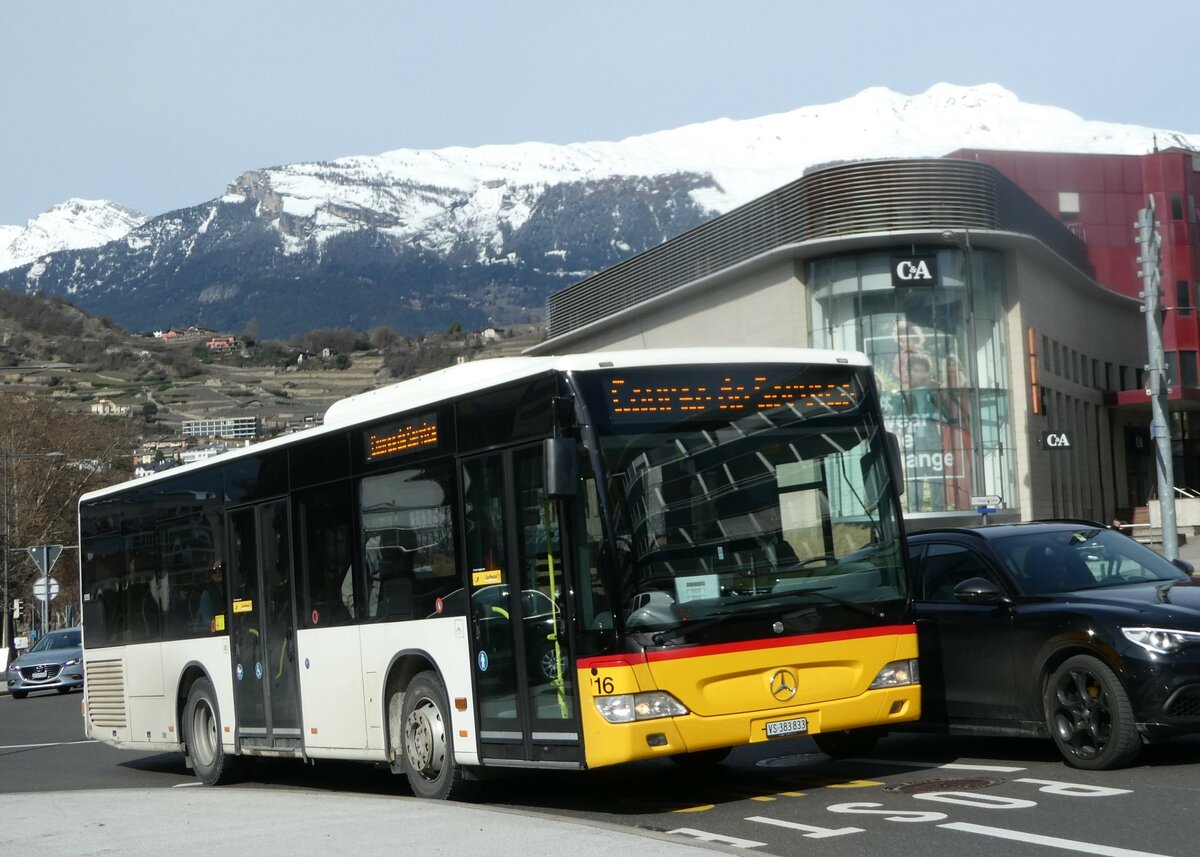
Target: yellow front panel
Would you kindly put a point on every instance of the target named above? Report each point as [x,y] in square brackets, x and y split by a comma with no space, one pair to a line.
[733,691]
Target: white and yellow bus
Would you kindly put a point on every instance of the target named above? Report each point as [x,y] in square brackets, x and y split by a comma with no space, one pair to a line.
[555,562]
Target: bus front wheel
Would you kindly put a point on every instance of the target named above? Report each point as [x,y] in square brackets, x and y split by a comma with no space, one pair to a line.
[202,734]
[428,752]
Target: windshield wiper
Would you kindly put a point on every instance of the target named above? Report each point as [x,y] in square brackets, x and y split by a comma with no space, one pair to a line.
[663,637]
[841,602]
[666,636]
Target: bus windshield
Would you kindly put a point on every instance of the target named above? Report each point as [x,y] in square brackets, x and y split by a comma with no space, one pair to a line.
[734,504]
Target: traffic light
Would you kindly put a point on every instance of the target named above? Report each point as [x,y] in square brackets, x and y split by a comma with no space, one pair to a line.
[18,607]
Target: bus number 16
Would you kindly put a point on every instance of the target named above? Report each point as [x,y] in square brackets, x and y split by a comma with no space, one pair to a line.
[604,684]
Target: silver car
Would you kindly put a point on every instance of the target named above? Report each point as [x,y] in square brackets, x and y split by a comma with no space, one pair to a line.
[54,663]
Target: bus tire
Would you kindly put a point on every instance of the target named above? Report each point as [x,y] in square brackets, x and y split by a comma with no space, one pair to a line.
[428,750]
[847,742]
[202,736]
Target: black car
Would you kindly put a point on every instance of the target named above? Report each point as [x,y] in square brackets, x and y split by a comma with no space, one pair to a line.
[1066,629]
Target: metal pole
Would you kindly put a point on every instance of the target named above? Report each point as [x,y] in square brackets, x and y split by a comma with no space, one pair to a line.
[8,629]
[978,462]
[1150,245]
[46,594]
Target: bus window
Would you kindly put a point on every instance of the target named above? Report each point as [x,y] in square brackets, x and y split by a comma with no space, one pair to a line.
[325,523]
[408,541]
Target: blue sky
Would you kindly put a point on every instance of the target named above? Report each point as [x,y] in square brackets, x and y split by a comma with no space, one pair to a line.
[158,104]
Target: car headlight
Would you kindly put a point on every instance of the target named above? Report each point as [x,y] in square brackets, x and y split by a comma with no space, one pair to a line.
[897,674]
[72,662]
[628,707]
[1160,640]
[13,668]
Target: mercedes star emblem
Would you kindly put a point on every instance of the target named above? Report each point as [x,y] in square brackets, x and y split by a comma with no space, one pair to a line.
[783,685]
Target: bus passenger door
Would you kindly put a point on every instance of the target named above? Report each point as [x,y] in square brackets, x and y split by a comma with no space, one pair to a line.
[262,627]
[524,682]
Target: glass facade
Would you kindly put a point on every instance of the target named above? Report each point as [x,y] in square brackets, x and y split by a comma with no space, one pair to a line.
[941,362]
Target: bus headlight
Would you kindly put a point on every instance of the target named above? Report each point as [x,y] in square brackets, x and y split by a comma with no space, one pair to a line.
[628,707]
[897,674]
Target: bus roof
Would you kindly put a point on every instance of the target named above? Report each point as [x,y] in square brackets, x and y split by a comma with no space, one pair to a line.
[465,378]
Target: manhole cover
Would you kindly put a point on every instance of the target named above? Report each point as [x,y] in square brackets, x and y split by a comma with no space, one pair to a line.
[959,785]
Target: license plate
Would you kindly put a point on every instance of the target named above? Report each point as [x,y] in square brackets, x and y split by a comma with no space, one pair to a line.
[780,728]
[39,674]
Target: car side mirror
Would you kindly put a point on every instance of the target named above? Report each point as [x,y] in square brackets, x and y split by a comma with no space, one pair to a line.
[1184,566]
[980,590]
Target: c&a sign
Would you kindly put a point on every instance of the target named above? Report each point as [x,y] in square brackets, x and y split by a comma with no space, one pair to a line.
[917,270]
[1055,440]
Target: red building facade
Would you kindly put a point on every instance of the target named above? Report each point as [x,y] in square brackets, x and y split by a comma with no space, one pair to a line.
[1098,197]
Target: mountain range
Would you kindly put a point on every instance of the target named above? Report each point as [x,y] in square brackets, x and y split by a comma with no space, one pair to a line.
[417,239]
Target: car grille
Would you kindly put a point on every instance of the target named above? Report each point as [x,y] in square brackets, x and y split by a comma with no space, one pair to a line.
[1186,703]
[52,671]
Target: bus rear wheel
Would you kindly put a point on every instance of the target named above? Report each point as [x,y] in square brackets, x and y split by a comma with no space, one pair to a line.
[428,752]
[202,736]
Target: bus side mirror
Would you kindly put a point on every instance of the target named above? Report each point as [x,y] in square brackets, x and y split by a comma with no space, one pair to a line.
[562,466]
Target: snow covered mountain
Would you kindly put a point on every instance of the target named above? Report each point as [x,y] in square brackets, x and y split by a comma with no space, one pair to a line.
[419,238]
[72,225]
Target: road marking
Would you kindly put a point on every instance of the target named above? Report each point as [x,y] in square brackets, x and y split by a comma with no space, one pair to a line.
[1000,769]
[187,785]
[55,744]
[808,830]
[716,838]
[1049,841]
[704,807]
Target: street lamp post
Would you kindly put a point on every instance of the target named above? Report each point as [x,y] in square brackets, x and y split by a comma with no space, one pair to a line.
[8,457]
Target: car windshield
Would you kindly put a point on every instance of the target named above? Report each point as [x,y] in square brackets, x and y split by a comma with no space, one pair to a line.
[1086,558]
[54,640]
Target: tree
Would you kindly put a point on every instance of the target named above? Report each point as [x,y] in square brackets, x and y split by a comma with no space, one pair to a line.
[43,491]
[382,337]
[148,411]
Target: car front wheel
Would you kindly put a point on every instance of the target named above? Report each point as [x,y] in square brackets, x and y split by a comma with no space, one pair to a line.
[1089,715]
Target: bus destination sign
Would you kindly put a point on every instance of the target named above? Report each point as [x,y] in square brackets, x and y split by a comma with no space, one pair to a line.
[720,392]
[419,432]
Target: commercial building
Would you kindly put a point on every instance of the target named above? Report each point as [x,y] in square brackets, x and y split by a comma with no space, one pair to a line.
[228,427]
[1009,352]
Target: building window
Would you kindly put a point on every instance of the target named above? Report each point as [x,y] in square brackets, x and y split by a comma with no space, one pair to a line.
[1177,206]
[1068,205]
[1187,369]
[955,428]
[1183,297]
